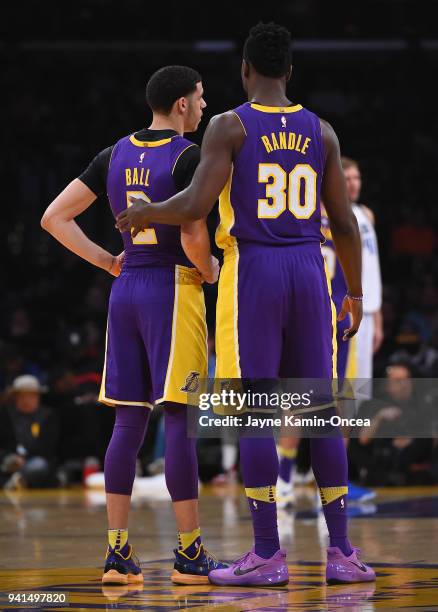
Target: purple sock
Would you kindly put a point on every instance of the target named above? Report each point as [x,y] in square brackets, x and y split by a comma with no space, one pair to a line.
[121,455]
[285,468]
[329,464]
[259,463]
[181,461]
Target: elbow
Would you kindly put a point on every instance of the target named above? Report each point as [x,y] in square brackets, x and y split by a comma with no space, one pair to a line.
[46,221]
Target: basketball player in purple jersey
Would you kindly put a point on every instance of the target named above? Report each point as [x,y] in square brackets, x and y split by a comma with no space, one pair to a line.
[269,160]
[156,339]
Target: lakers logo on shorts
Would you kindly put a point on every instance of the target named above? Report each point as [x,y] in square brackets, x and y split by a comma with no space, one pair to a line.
[192,383]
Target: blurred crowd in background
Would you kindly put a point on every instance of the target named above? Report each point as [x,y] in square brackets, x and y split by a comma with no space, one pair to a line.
[70,99]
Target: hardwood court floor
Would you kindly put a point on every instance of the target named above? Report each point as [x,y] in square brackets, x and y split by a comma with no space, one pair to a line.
[55,541]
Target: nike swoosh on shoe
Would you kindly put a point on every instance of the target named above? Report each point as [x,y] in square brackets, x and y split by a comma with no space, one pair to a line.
[239,572]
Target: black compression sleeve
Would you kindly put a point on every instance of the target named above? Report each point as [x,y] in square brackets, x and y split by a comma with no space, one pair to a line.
[185,167]
[96,174]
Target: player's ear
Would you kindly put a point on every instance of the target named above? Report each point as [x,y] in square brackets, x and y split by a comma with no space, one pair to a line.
[181,105]
[289,74]
[245,69]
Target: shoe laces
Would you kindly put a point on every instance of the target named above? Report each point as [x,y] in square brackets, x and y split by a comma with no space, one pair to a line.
[134,557]
[211,559]
[241,560]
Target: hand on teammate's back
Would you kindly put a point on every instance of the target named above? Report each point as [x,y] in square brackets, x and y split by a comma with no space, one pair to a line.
[133,218]
[354,307]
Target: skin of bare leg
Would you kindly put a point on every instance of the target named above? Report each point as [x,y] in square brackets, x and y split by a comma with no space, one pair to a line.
[118,510]
[186,515]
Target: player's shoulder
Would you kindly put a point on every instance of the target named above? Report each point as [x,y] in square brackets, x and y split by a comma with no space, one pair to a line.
[227,125]
[368,213]
[181,143]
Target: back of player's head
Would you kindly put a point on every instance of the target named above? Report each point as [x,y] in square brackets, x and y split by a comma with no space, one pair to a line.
[169,84]
[268,49]
[348,162]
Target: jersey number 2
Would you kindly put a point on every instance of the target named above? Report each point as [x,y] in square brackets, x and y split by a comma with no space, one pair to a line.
[285,192]
[147,236]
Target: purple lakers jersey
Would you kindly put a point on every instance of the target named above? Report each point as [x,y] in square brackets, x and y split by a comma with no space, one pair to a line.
[144,170]
[273,193]
[339,287]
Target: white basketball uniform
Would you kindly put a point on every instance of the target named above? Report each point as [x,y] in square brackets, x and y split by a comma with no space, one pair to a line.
[372,293]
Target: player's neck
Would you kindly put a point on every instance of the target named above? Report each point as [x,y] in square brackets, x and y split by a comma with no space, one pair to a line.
[167,122]
[268,92]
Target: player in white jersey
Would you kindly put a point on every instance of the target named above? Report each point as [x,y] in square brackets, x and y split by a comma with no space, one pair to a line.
[370,335]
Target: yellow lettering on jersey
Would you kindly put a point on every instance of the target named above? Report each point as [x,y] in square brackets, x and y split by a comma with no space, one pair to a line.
[305,145]
[291,141]
[282,139]
[135,176]
[128,176]
[267,144]
[144,177]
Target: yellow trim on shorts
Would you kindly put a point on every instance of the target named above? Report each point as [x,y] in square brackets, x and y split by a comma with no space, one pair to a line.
[351,369]
[227,337]
[188,347]
[109,401]
[334,322]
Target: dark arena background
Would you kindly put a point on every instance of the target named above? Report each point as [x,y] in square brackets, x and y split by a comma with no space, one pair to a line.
[73,81]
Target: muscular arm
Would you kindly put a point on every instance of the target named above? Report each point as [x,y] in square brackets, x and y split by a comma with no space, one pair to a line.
[223,138]
[59,220]
[343,226]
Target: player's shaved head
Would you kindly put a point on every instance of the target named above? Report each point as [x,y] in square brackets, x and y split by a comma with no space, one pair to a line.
[268,49]
[169,84]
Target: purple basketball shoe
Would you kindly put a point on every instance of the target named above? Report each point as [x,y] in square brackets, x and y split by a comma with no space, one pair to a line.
[341,569]
[252,570]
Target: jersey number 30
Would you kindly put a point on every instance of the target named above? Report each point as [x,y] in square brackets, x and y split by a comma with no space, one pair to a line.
[296,191]
[147,236]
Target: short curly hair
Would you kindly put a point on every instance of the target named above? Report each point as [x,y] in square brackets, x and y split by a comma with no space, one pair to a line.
[168,84]
[268,49]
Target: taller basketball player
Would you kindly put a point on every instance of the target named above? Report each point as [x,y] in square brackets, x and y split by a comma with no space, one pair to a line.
[370,335]
[156,340]
[269,160]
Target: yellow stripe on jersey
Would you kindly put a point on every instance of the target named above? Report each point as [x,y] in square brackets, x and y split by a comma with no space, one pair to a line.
[148,143]
[103,398]
[188,349]
[226,214]
[277,109]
